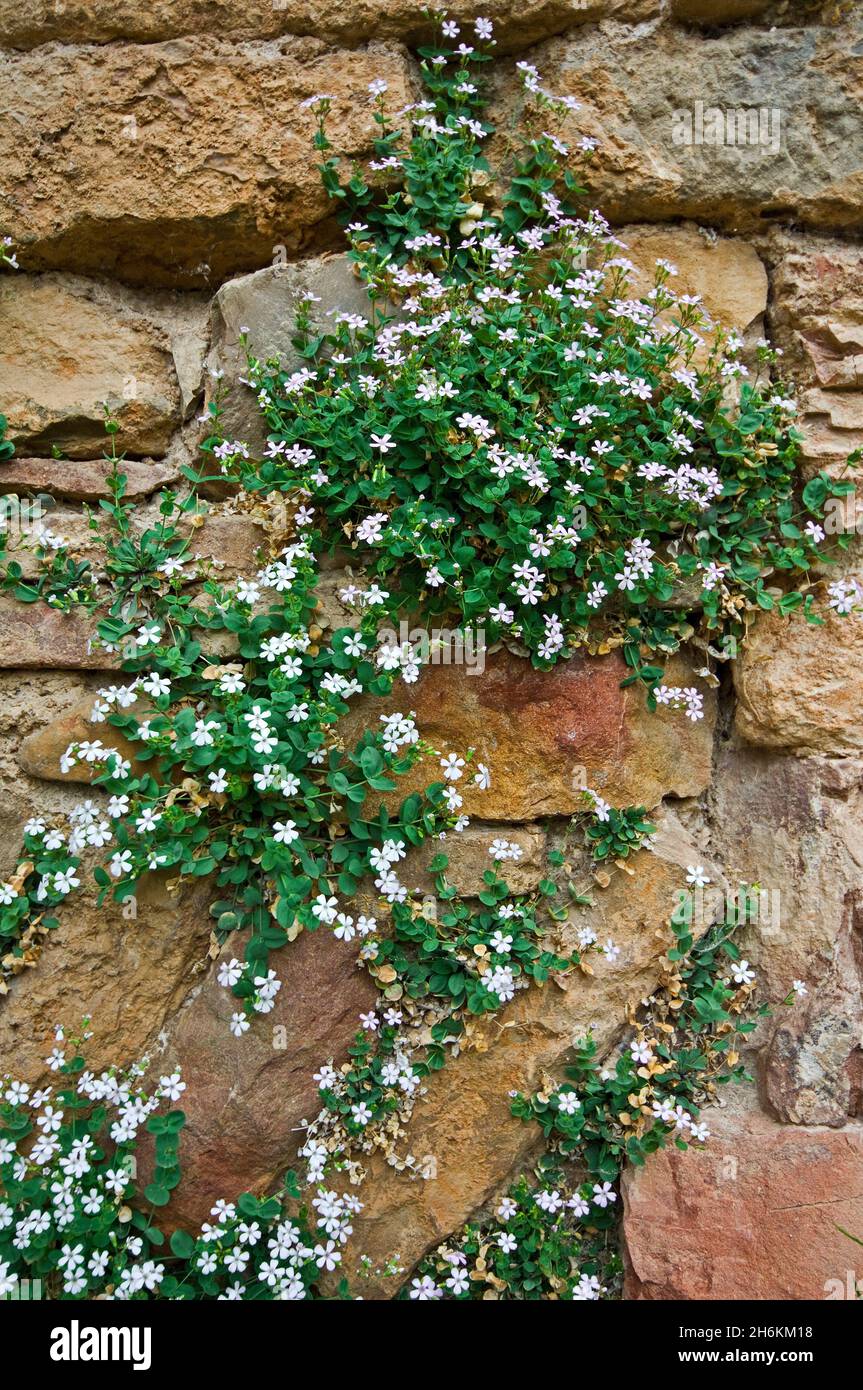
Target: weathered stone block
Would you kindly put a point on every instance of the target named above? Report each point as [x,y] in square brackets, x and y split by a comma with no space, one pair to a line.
[755,1214]
[794,827]
[726,272]
[717,11]
[182,162]
[65,354]
[635,89]
[34,636]
[518,23]
[816,317]
[247,1097]
[265,303]
[85,480]
[798,684]
[41,751]
[547,734]
[130,971]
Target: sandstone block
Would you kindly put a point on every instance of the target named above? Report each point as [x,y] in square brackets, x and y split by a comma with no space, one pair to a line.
[518,23]
[84,480]
[64,355]
[636,89]
[794,826]
[547,734]
[34,636]
[755,1214]
[247,1097]
[798,685]
[182,162]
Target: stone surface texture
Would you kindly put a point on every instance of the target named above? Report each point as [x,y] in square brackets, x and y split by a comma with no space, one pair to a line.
[782,1191]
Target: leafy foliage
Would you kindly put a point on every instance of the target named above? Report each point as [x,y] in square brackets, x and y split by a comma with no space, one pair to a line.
[515,434]
[73,1221]
[553,1236]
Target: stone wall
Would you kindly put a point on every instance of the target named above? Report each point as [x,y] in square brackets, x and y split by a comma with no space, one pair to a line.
[159,181]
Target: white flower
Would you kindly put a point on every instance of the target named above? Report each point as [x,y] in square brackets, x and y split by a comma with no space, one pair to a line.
[383,442]
[741,973]
[229,972]
[603,1193]
[344,928]
[588,1289]
[285,832]
[696,876]
[202,734]
[425,1289]
[171,1087]
[327,1256]
[231,684]
[156,685]
[121,863]
[452,765]
[325,909]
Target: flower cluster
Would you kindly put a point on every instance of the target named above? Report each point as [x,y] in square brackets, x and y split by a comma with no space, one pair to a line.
[541,1242]
[516,432]
[70,1223]
[238,769]
[685,1044]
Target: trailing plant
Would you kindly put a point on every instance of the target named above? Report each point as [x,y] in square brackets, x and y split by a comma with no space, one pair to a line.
[554,1235]
[237,771]
[686,1044]
[512,435]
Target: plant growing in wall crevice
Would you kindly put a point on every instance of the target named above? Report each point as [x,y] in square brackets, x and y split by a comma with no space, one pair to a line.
[553,1235]
[517,435]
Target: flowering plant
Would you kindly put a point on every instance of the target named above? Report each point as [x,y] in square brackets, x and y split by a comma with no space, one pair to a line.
[553,1236]
[686,1043]
[535,1246]
[512,433]
[73,1223]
